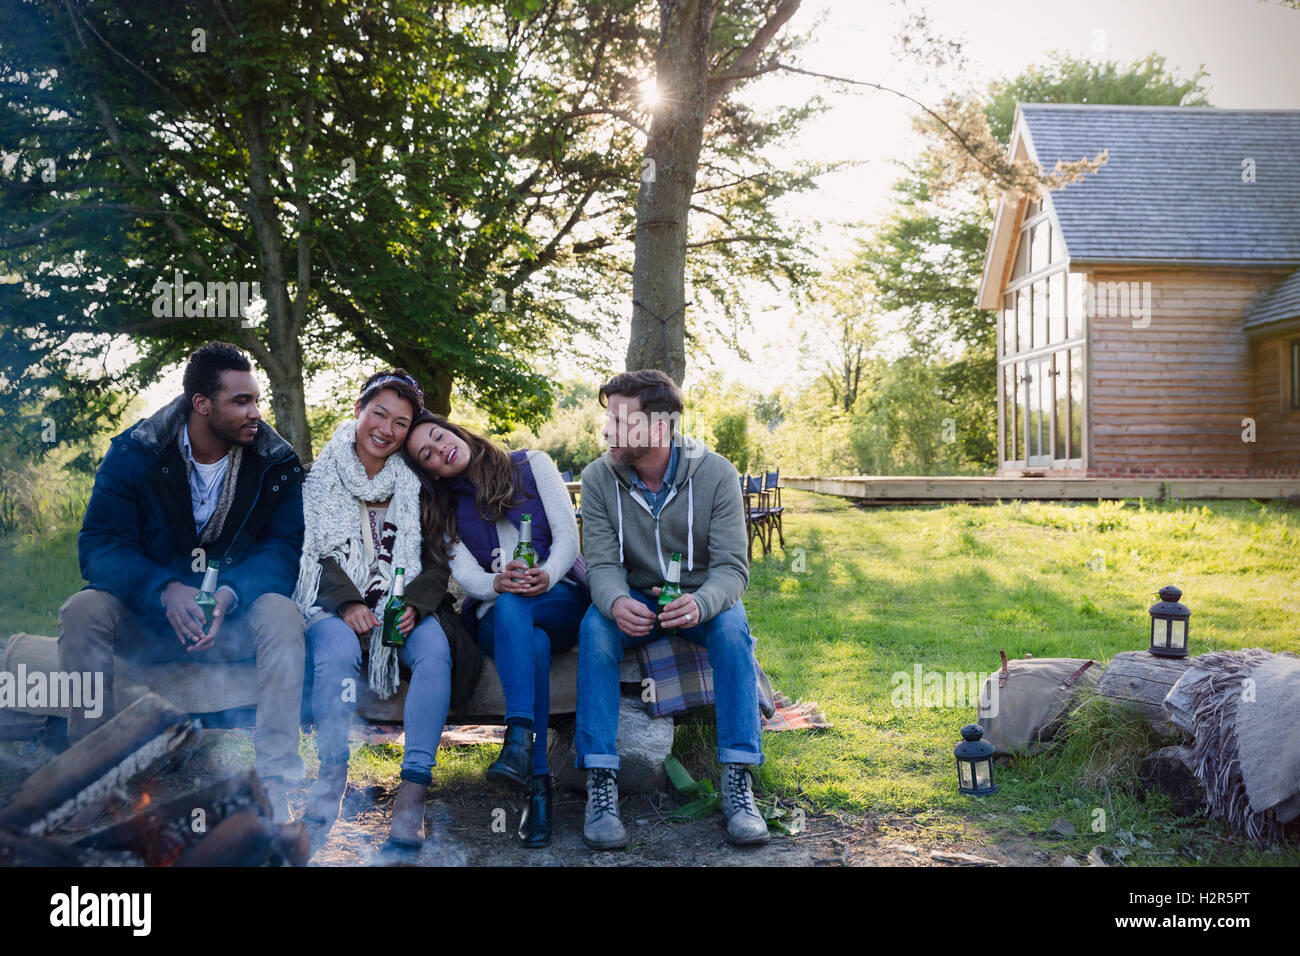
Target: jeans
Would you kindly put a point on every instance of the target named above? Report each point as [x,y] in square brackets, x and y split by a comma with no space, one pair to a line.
[521,633]
[93,625]
[735,683]
[336,660]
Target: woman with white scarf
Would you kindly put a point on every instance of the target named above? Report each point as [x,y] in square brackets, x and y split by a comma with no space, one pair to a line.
[361,505]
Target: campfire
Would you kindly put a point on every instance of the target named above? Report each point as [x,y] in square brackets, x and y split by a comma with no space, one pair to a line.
[226,824]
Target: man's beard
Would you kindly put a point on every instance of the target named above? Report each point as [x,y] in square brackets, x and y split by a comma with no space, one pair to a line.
[625,455]
[231,432]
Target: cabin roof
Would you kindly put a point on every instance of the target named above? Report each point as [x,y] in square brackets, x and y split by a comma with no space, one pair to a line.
[1172,187]
[1171,192]
[1276,304]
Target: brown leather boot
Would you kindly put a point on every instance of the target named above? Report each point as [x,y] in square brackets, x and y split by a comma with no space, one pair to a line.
[407,827]
[325,801]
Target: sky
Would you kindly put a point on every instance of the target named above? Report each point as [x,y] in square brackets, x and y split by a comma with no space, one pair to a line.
[1249,48]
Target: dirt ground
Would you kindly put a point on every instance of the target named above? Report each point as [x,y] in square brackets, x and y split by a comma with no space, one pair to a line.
[474,825]
[459,822]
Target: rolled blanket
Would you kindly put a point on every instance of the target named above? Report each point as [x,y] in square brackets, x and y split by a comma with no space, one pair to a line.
[1243,709]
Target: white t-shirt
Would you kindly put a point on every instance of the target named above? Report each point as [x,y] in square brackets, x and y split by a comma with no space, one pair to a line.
[205,483]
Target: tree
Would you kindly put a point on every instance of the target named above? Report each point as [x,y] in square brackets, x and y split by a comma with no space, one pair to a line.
[841,308]
[444,186]
[218,145]
[699,58]
[705,49]
[731,438]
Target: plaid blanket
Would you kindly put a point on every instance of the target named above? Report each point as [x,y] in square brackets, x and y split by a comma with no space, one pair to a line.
[795,716]
[452,736]
[683,677]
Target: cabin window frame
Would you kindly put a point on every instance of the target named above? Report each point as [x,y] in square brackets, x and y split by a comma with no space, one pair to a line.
[1292,394]
[1023,359]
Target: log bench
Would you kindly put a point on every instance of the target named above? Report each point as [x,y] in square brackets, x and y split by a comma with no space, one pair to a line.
[214,688]
[1142,680]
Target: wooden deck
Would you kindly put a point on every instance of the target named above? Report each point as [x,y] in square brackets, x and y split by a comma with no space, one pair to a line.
[903,490]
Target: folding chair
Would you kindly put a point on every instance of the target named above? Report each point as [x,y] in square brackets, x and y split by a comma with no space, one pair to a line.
[756,521]
[772,489]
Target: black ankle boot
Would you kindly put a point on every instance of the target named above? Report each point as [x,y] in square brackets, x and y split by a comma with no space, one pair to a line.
[515,761]
[535,824]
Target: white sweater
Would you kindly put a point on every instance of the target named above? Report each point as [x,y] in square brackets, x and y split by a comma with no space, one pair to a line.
[564,538]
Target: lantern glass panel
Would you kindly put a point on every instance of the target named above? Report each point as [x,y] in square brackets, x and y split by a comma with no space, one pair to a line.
[963,768]
[1157,632]
[982,775]
[1178,634]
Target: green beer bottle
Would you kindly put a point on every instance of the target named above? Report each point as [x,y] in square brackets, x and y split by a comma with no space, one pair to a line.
[391,636]
[672,588]
[207,596]
[524,549]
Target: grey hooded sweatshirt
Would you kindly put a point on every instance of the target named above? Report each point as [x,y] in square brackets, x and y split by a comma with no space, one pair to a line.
[703,519]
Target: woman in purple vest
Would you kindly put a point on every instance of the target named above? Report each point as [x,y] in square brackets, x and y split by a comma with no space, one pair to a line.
[474,497]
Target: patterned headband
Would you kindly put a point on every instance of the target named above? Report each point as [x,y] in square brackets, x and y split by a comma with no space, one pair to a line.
[404,379]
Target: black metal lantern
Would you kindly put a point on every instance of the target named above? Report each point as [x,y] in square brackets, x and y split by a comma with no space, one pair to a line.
[1169,624]
[974,762]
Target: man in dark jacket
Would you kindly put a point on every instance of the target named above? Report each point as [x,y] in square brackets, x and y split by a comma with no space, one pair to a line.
[202,480]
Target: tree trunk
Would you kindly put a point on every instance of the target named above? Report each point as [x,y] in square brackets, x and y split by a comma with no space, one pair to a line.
[668,173]
[433,377]
[289,406]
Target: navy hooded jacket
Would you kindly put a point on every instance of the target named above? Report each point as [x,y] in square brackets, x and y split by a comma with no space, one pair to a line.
[138,534]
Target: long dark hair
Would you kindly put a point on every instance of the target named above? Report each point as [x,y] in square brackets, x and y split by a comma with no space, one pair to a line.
[498,486]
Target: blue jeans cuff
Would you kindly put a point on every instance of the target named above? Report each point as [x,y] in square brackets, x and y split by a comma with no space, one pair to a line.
[423,778]
[739,756]
[596,761]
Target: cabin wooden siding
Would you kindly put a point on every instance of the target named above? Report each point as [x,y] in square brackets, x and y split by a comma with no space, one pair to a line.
[1168,399]
[1276,452]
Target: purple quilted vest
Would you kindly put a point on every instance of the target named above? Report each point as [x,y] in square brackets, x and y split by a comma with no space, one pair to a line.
[480,535]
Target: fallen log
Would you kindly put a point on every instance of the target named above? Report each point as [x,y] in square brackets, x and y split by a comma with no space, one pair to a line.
[1141,680]
[161,834]
[140,739]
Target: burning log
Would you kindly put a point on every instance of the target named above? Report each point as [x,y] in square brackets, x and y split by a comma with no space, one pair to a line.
[161,834]
[246,839]
[140,739]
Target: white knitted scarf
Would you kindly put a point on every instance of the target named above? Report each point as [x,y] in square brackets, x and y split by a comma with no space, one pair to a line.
[332,505]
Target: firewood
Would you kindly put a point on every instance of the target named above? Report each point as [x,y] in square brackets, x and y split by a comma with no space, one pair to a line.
[293,843]
[140,739]
[22,849]
[247,839]
[162,833]
[243,839]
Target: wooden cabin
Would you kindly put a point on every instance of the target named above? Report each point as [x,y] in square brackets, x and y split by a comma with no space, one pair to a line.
[1149,314]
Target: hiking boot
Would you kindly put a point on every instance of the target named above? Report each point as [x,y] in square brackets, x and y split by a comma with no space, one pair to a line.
[325,802]
[602,829]
[535,824]
[407,827]
[745,825]
[278,798]
[514,764]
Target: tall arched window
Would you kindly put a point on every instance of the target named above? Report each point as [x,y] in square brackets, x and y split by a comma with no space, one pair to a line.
[1041,350]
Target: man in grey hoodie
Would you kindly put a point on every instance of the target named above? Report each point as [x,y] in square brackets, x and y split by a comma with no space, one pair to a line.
[654,493]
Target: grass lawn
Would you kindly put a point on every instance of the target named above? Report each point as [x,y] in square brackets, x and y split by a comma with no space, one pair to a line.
[860,594]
